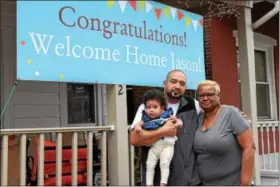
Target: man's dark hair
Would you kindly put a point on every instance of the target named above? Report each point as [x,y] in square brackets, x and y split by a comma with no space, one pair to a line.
[154,94]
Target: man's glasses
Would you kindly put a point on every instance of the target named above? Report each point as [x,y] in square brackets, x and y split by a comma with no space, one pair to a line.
[209,95]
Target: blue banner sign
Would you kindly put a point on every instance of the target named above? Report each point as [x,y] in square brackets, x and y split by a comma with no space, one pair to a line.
[111,42]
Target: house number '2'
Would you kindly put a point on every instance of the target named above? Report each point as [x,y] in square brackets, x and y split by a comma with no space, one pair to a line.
[120,92]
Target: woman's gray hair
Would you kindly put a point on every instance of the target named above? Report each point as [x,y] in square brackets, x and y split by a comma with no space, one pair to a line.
[211,83]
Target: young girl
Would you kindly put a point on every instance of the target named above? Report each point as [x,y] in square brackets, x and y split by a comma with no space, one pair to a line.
[153,117]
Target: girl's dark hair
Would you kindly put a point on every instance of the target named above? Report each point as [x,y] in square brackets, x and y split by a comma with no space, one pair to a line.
[154,94]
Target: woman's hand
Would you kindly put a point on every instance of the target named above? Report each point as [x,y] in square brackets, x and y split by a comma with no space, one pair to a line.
[245,116]
[178,122]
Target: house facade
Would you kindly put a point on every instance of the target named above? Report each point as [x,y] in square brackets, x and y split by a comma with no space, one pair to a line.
[53,104]
[222,65]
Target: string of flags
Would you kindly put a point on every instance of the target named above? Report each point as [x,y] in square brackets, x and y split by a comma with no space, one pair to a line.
[168,12]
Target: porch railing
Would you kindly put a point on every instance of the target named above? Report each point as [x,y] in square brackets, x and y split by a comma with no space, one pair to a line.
[269,146]
[23,133]
[134,164]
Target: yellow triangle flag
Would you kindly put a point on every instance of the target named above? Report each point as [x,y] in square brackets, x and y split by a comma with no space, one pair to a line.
[166,11]
[110,3]
[188,21]
[141,5]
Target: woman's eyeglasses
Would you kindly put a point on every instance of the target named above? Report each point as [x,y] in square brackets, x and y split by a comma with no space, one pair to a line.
[209,95]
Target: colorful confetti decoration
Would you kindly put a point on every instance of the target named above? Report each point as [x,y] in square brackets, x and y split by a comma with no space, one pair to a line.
[61,76]
[29,61]
[22,42]
[141,5]
[122,5]
[166,11]
[149,7]
[110,3]
[195,23]
[173,11]
[188,21]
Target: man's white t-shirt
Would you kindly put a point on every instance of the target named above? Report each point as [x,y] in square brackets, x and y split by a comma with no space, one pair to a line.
[174,107]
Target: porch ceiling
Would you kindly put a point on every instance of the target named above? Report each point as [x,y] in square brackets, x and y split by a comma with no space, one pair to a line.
[271,26]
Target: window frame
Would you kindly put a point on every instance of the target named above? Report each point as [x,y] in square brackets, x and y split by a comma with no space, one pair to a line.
[266,44]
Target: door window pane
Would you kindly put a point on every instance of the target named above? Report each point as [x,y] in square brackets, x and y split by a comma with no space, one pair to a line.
[80,103]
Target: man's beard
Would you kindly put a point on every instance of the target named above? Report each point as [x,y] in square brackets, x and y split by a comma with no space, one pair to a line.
[172,95]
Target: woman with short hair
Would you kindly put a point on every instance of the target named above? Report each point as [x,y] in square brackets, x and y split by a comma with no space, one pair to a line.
[223,141]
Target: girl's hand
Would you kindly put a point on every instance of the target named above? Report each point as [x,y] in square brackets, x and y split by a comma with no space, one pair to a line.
[138,128]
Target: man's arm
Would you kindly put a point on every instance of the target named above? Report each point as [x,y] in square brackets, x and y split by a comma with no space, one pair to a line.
[144,137]
[147,138]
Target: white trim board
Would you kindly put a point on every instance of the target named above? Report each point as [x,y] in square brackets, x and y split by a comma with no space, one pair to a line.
[260,38]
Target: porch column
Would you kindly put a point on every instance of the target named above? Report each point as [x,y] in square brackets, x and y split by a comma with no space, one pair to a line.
[118,154]
[247,76]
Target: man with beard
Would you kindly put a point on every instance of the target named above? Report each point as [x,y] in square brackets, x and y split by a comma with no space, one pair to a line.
[182,170]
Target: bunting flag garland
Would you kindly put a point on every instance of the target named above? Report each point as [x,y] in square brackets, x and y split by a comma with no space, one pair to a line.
[158,12]
[110,3]
[132,4]
[180,15]
[141,5]
[195,23]
[166,12]
[187,21]
[173,11]
[122,5]
[149,7]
